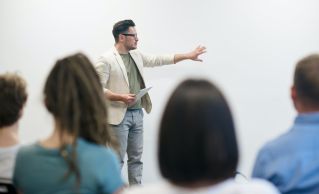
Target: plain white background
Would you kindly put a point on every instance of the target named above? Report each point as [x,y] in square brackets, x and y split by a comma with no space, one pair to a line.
[252,46]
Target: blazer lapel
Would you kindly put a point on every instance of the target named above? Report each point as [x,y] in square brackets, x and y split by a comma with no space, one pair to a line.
[121,64]
[138,62]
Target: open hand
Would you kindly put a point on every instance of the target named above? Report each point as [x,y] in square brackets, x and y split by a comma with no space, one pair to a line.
[196,52]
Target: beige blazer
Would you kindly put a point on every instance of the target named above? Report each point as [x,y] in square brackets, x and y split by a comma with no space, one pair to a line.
[113,76]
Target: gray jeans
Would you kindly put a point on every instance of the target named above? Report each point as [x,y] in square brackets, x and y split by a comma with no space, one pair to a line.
[130,136]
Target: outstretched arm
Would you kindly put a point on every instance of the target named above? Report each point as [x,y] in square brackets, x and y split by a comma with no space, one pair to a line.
[193,55]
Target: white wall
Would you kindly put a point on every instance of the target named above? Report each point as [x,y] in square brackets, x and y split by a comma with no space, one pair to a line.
[252,49]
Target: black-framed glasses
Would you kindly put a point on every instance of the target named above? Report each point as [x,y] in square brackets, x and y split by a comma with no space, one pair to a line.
[133,35]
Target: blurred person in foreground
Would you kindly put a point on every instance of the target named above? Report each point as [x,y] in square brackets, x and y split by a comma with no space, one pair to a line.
[78,156]
[13,97]
[291,161]
[198,151]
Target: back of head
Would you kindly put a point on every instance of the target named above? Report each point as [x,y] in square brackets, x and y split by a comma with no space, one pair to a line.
[121,27]
[306,80]
[197,140]
[73,94]
[13,96]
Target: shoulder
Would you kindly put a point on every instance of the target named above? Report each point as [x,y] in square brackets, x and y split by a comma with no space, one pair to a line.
[9,150]
[227,187]
[95,151]
[254,186]
[260,186]
[26,156]
[159,188]
[135,52]
[278,145]
[28,149]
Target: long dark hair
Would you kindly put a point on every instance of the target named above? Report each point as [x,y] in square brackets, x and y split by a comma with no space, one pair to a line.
[73,95]
[197,140]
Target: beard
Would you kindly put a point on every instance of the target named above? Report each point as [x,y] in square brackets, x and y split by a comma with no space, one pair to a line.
[131,47]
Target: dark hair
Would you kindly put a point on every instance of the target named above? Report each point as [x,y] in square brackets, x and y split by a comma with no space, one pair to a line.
[306,79]
[197,140]
[121,27]
[13,96]
[73,94]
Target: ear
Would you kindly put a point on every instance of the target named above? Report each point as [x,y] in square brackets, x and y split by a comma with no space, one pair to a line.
[21,112]
[294,98]
[45,102]
[293,93]
[121,37]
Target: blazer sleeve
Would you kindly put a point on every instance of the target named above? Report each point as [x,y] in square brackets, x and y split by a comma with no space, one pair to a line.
[103,70]
[157,60]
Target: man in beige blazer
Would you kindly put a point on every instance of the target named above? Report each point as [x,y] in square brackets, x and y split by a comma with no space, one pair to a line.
[121,74]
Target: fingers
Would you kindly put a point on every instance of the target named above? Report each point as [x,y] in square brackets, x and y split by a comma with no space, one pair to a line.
[130,98]
[201,48]
[131,95]
[199,53]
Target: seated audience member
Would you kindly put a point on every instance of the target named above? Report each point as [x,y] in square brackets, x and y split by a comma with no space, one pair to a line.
[198,152]
[291,162]
[77,157]
[13,97]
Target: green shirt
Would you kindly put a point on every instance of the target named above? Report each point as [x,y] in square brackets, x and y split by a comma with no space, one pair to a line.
[134,78]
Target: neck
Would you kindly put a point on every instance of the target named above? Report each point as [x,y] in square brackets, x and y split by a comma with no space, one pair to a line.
[305,108]
[57,139]
[121,48]
[9,135]
[307,111]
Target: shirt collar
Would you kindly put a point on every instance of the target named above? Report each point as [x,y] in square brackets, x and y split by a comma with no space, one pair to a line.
[309,118]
